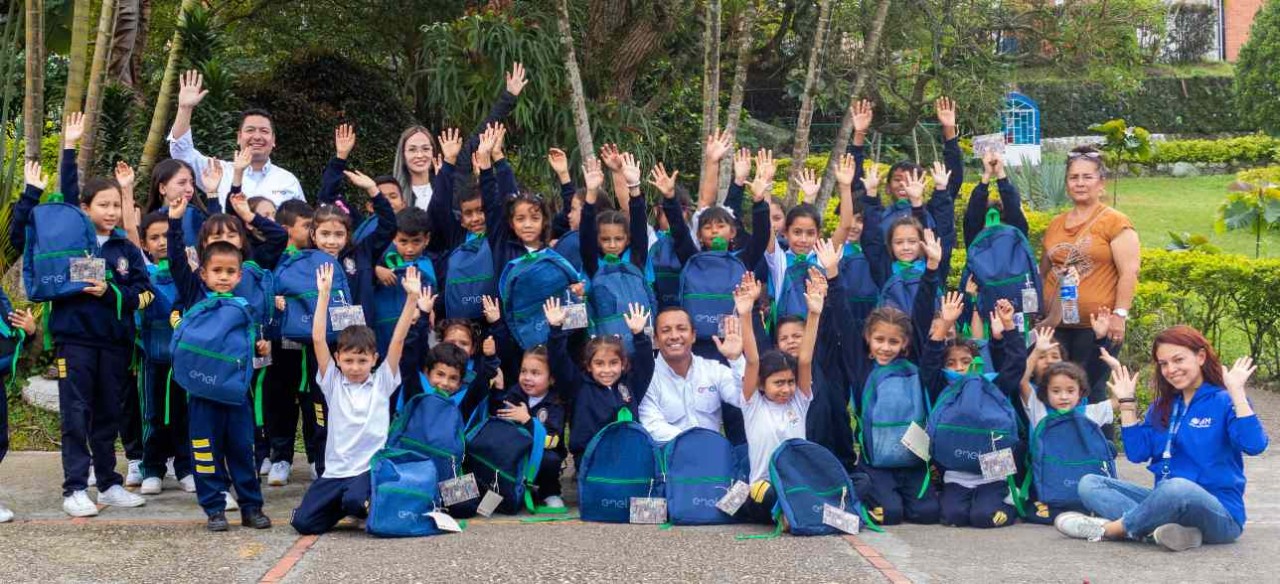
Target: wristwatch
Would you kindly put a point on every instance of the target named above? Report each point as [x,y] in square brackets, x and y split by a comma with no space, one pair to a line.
[1121,312]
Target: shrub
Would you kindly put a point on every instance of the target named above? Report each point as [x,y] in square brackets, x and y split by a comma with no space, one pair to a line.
[1243,150]
[1191,105]
[1258,71]
[1255,176]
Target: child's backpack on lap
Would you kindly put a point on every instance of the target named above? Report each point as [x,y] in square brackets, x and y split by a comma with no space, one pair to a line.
[617,284]
[698,468]
[619,463]
[504,456]
[431,425]
[525,285]
[1065,447]
[1001,262]
[295,279]
[213,349]
[57,234]
[468,279]
[403,490]
[706,289]
[892,400]
[806,476]
[155,330]
[971,417]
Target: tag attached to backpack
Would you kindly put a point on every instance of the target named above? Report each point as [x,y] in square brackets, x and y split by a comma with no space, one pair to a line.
[459,490]
[575,316]
[88,269]
[489,503]
[838,518]
[444,522]
[648,510]
[998,464]
[262,361]
[733,500]
[346,316]
[917,441]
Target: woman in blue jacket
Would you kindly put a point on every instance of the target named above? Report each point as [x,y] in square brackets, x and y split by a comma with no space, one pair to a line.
[1191,439]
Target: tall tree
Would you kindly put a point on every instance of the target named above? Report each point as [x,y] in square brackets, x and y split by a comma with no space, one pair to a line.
[581,123]
[745,38]
[79,55]
[164,97]
[711,68]
[33,104]
[97,81]
[800,148]
[870,48]
[126,38]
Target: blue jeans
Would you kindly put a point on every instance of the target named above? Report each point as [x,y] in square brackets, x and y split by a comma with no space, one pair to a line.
[1174,500]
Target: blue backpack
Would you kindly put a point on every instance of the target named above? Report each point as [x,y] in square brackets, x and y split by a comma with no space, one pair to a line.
[899,209]
[469,278]
[791,301]
[855,273]
[525,285]
[706,289]
[403,489]
[891,401]
[971,417]
[295,279]
[365,229]
[431,425]
[388,301]
[900,289]
[698,468]
[258,288]
[1065,447]
[616,285]
[1001,262]
[506,455]
[805,477]
[154,328]
[570,248]
[58,232]
[620,463]
[213,349]
[663,271]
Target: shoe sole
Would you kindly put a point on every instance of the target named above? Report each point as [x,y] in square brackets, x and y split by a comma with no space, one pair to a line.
[124,505]
[218,529]
[1177,538]
[277,483]
[150,491]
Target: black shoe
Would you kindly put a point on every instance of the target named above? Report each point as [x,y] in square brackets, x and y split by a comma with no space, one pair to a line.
[255,519]
[218,522]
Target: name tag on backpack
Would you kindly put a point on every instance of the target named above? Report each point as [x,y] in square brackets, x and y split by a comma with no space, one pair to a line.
[444,522]
[838,518]
[575,316]
[648,510]
[489,504]
[290,345]
[346,316]
[263,361]
[732,501]
[88,270]
[998,464]
[917,441]
[459,489]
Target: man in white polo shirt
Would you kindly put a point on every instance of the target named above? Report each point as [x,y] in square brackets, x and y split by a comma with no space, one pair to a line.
[256,132]
[687,390]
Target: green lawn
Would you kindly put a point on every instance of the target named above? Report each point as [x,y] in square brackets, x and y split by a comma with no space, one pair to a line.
[1158,205]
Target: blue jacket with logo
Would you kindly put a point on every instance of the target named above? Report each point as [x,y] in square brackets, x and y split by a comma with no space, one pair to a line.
[1206,448]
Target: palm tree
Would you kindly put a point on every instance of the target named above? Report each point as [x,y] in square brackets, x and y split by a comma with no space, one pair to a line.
[97,80]
[33,105]
[746,25]
[164,98]
[800,148]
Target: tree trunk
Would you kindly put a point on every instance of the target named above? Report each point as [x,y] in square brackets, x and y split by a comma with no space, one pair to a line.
[79,54]
[800,149]
[581,123]
[124,39]
[160,117]
[33,103]
[97,82]
[711,68]
[626,58]
[870,49]
[746,26]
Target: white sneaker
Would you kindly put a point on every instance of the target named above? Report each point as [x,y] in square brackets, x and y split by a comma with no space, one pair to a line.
[79,505]
[1177,538]
[134,478]
[168,468]
[5,514]
[118,497]
[553,502]
[279,474]
[232,504]
[314,475]
[188,483]
[1080,526]
[93,480]
[265,469]
[152,486]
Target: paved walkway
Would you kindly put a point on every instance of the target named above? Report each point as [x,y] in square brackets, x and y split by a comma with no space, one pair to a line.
[165,541]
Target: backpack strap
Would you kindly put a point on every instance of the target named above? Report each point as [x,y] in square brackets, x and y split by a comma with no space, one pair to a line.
[257,397]
[17,353]
[625,415]
[993,217]
[304,387]
[168,387]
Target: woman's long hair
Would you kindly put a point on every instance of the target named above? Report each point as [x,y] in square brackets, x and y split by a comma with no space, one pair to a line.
[1181,336]
[401,168]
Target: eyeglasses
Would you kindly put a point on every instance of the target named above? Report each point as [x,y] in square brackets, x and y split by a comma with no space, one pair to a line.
[1090,155]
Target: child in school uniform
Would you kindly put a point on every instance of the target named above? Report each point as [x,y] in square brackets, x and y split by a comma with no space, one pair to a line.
[359,410]
[535,397]
[16,329]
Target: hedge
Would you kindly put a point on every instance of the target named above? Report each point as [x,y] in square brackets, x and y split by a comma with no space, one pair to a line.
[1256,149]
[1190,105]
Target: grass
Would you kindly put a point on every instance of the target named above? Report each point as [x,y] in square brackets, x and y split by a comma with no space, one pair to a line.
[1158,205]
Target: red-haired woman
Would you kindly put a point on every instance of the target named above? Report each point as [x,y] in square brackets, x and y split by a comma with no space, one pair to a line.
[1191,438]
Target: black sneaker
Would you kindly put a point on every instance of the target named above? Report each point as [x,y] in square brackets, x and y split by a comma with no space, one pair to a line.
[218,522]
[255,519]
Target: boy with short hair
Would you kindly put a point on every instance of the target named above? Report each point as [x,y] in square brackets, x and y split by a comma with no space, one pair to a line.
[359,408]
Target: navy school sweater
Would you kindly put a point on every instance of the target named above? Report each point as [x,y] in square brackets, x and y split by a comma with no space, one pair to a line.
[596,406]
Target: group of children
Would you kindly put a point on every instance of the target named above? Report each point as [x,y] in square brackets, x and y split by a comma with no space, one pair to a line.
[239,324]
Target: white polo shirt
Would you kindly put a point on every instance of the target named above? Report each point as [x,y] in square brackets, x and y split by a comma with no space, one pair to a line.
[359,418]
[275,183]
[674,403]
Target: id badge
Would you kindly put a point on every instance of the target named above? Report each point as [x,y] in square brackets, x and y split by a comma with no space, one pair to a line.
[838,518]
[346,316]
[575,316]
[290,345]
[262,361]
[88,269]
[648,510]
[459,490]
[998,464]
[489,504]
[917,441]
[444,522]
[732,501]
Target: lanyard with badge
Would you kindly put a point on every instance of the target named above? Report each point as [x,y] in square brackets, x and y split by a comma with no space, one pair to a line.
[1175,423]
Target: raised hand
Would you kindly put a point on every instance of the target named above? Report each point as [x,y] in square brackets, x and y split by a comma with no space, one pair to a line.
[450,145]
[941,176]
[177,207]
[915,187]
[862,116]
[242,160]
[559,163]
[992,165]
[1123,383]
[489,347]
[946,111]
[124,175]
[593,176]
[360,180]
[718,144]
[500,136]
[630,170]
[324,278]
[766,167]
[211,177]
[516,79]
[952,307]
[484,151]
[808,183]
[33,175]
[240,205]
[1105,355]
[1004,309]
[997,325]
[191,89]
[871,179]
[745,294]
[1235,378]
[72,129]
[637,317]
[731,345]
[845,170]
[741,166]
[344,140]
[665,183]
[492,310]
[413,282]
[611,157]
[932,249]
[829,255]
[554,312]
[815,291]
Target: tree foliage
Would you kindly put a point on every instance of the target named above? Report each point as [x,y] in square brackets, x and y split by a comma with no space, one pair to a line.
[1258,70]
